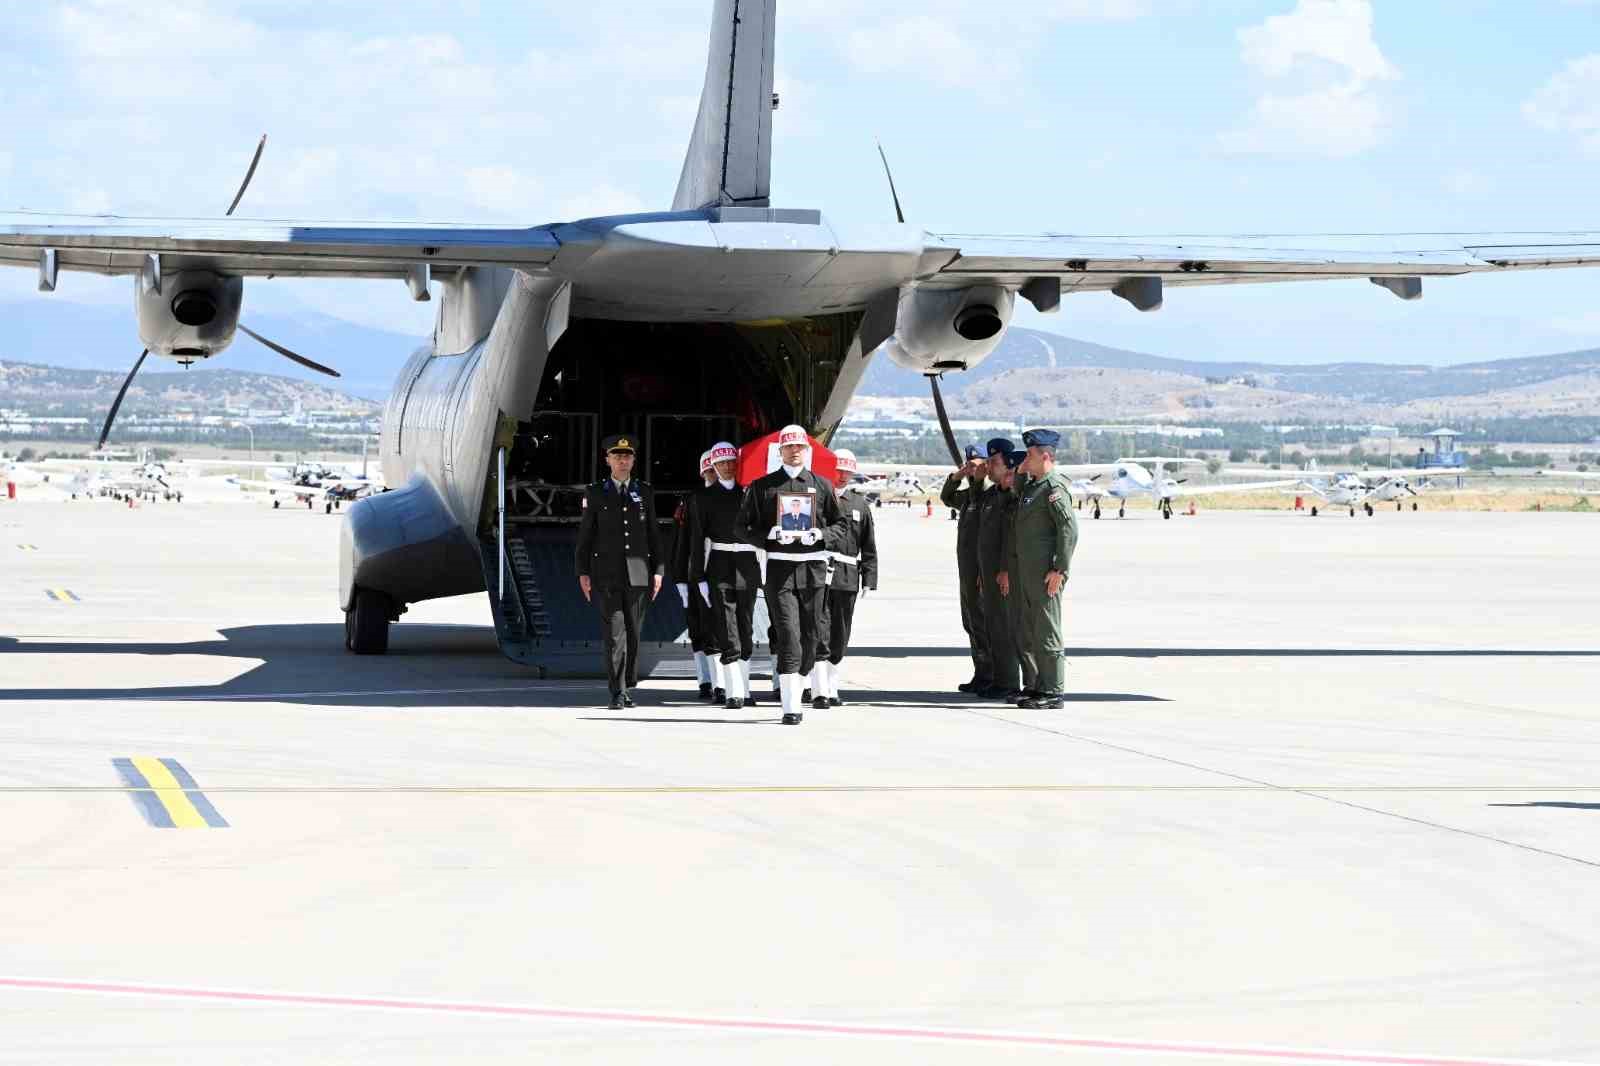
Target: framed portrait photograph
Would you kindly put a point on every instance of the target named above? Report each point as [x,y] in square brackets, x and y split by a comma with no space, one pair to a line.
[795,511]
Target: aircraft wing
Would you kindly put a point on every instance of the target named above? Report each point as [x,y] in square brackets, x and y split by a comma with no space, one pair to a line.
[103,244]
[1097,263]
[1243,486]
[278,486]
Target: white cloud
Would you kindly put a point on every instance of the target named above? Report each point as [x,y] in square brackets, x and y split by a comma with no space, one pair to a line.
[1570,102]
[1326,51]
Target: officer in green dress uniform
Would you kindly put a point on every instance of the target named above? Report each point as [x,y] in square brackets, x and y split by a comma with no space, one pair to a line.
[1047,534]
[967,503]
[1008,502]
[994,526]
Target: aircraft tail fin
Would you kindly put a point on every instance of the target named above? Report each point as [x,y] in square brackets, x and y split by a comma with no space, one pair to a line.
[729,160]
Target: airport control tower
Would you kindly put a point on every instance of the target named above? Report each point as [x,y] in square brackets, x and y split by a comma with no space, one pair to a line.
[1445,456]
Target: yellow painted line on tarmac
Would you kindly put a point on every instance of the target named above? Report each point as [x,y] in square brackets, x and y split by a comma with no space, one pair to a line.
[541,790]
[62,595]
[166,793]
[169,793]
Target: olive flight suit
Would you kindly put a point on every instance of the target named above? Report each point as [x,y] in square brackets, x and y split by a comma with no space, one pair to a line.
[967,503]
[1047,534]
[994,536]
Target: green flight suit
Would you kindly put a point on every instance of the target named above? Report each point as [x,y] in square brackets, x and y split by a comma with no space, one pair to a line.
[968,503]
[1025,659]
[1047,533]
[994,551]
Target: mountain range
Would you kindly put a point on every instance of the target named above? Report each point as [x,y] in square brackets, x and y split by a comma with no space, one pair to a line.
[1031,373]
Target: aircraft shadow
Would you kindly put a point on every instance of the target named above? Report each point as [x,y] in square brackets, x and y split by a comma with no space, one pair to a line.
[956,701]
[685,721]
[1564,804]
[961,652]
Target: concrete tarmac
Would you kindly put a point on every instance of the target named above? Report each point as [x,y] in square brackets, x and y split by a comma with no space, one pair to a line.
[1325,790]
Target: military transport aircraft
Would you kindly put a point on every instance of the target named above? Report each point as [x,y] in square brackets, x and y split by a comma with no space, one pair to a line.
[549,335]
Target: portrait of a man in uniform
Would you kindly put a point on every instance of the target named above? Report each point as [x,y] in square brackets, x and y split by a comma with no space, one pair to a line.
[794,512]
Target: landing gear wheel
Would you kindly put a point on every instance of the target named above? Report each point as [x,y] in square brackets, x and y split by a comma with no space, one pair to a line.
[276,504]
[1368,507]
[1352,512]
[366,623]
[327,509]
[308,505]
[1313,512]
[1122,510]
[1097,509]
[1166,508]
[1413,506]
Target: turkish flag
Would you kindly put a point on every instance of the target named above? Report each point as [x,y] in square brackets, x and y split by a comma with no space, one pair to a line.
[760,457]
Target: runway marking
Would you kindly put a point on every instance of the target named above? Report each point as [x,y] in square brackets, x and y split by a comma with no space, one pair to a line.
[585,790]
[62,595]
[28,547]
[166,794]
[797,1027]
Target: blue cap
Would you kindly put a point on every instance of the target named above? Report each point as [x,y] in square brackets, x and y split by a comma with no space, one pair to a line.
[999,446]
[1014,459]
[1041,438]
[973,452]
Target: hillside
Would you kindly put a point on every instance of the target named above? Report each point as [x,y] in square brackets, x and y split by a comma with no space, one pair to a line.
[67,391]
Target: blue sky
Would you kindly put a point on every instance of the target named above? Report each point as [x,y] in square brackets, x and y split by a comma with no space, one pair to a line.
[1086,116]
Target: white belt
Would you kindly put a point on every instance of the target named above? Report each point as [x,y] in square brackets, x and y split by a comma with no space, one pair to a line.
[718,546]
[800,557]
[848,560]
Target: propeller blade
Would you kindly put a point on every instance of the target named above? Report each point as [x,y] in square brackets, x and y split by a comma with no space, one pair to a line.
[116,405]
[944,421]
[899,215]
[287,354]
[248,174]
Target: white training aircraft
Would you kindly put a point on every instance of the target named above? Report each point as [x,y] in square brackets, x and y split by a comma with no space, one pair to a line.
[1347,489]
[898,484]
[1146,478]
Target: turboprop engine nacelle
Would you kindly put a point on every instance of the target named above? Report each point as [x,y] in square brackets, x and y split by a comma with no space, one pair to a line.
[948,329]
[188,314]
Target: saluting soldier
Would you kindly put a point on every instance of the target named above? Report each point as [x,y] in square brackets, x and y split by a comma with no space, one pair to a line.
[797,560]
[726,573]
[967,503]
[1047,534]
[707,664]
[620,562]
[1016,483]
[994,529]
[853,569]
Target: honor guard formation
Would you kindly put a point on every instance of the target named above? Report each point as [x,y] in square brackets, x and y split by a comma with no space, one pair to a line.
[810,548]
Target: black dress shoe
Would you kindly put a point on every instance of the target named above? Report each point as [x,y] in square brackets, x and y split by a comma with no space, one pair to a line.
[615,704]
[1042,703]
[627,700]
[718,695]
[820,703]
[805,697]
[835,701]
[1021,697]
[734,703]
[968,686]
[705,690]
[793,718]
[1014,695]
[750,698]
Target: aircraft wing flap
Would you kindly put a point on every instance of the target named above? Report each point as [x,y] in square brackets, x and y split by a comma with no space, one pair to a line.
[1244,486]
[1091,263]
[114,245]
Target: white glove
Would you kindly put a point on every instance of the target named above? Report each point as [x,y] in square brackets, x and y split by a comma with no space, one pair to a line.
[810,536]
[683,594]
[788,536]
[705,592]
[774,533]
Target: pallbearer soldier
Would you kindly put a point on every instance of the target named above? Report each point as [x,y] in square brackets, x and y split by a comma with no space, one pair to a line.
[854,560]
[994,532]
[707,666]
[967,503]
[1047,534]
[1015,484]
[726,573]
[620,562]
[797,560]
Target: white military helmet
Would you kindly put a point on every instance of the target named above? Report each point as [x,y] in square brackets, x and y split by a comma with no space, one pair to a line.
[793,435]
[846,460]
[705,462]
[723,452]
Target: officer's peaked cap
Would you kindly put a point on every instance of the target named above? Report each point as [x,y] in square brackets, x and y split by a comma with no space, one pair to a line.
[1041,438]
[1014,458]
[974,452]
[1000,445]
[618,442]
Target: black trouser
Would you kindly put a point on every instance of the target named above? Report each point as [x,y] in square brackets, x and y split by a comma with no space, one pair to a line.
[621,609]
[972,620]
[795,615]
[732,613]
[698,619]
[838,615]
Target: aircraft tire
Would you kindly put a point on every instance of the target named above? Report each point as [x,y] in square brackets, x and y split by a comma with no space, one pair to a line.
[366,624]
[276,504]
[1313,512]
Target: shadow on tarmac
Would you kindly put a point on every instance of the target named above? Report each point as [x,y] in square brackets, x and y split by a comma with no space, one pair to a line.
[1565,804]
[960,652]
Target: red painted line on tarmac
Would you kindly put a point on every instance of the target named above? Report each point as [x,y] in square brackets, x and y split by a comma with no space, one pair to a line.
[759,1025]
